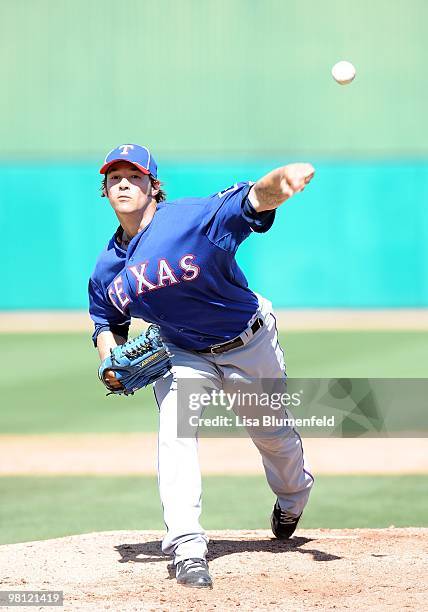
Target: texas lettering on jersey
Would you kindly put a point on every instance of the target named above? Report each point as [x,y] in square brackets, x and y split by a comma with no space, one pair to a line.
[165,276]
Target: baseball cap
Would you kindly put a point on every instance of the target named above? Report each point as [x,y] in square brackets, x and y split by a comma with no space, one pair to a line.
[133,153]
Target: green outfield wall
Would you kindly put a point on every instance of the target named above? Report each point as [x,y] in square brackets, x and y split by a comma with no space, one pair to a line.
[355,237]
[213,77]
[221,90]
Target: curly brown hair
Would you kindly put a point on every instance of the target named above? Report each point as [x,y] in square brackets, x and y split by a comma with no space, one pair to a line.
[156,184]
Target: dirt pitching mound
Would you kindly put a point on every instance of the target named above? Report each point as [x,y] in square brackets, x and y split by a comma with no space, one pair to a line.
[317,569]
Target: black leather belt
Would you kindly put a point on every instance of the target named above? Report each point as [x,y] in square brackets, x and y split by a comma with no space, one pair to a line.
[231,344]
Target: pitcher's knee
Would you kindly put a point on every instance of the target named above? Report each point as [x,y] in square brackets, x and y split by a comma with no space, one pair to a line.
[278,442]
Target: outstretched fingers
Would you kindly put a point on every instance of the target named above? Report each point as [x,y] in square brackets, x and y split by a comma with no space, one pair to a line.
[297,176]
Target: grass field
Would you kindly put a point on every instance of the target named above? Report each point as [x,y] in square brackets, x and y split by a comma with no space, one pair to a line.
[86,504]
[57,389]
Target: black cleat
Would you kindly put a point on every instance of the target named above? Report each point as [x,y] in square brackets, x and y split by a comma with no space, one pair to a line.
[283,524]
[193,573]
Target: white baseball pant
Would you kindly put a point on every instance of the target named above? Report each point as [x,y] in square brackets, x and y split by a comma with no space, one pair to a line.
[179,475]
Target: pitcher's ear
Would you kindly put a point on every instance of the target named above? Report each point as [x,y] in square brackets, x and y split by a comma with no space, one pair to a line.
[103,187]
[156,185]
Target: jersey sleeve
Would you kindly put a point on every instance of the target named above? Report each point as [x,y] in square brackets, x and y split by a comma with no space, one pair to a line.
[104,315]
[234,218]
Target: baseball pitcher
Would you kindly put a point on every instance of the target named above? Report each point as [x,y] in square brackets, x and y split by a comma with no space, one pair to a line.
[173,265]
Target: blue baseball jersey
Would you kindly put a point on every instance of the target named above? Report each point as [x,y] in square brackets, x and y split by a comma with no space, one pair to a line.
[180,271]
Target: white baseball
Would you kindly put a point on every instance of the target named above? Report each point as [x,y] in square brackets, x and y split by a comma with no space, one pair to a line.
[343,72]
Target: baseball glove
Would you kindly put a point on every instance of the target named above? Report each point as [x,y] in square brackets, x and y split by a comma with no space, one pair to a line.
[137,363]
